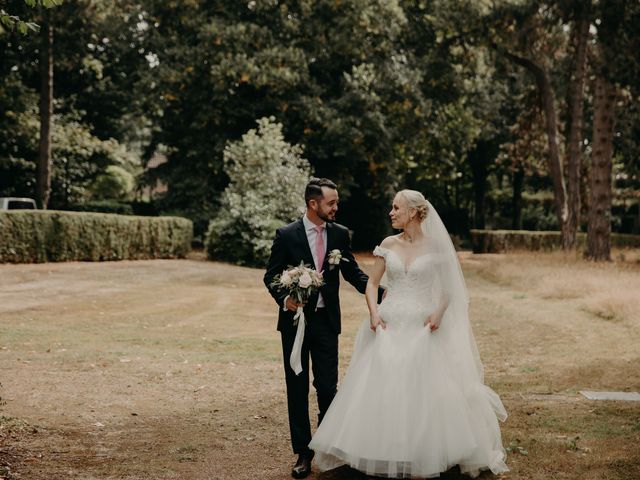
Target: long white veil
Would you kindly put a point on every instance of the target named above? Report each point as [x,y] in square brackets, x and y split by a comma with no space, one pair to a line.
[452,282]
[455,322]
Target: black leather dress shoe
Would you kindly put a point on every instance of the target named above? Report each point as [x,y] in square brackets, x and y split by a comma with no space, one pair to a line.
[302,468]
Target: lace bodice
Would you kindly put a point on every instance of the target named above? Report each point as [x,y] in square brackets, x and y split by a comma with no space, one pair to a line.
[413,284]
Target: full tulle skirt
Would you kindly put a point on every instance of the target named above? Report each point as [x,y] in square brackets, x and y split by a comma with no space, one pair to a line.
[408,408]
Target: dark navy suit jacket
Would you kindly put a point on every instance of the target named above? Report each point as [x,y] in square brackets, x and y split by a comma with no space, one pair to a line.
[291,246]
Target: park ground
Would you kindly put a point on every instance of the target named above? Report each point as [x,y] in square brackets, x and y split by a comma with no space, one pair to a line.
[171,369]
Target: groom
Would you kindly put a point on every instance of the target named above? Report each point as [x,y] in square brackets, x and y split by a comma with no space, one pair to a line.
[310,239]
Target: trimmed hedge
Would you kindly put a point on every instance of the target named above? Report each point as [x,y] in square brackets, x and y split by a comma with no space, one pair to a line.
[499,241]
[34,236]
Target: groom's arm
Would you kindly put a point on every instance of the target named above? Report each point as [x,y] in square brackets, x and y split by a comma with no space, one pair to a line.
[276,265]
[351,270]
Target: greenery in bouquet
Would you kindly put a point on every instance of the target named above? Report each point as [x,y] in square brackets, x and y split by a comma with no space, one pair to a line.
[298,282]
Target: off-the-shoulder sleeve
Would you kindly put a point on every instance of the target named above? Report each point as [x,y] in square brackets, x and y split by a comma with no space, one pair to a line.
[380,252]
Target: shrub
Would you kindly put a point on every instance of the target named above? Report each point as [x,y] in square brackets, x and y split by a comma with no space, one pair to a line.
[499,241]
[56,236]
[103,206]
[115,183]
[266,190]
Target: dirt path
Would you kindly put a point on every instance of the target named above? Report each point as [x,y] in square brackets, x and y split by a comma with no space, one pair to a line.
[172,369]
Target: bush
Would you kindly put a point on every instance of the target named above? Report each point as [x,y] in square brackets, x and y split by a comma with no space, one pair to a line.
[103,206]
[115,183]
[266,190]
[499,241]
[56,236]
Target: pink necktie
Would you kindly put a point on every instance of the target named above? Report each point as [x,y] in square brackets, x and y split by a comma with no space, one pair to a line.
[320,248]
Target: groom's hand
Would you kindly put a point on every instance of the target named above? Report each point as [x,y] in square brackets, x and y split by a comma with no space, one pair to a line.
[292,305]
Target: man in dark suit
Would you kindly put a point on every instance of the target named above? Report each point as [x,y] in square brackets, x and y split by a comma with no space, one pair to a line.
[310,240]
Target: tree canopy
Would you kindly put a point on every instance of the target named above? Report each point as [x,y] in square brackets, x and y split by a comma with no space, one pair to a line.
[486,107]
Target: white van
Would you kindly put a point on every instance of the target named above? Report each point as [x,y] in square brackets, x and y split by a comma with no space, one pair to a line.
[16,203]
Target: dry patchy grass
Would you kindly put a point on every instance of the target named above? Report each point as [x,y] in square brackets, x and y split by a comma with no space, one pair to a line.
[172,369]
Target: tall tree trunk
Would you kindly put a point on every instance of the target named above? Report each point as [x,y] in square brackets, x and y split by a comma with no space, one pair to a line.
[600,194]
[43,170]
[553,160]
[576,106]
[516,199]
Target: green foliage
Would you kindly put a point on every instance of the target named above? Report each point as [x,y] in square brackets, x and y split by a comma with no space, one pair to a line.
[332,73]
[18,137]
[115,183]
[382,95]
[537,210]
[87,167]
[84,166]
[103,206]
[13,22]
[44,3]
[267,177]
[53,236]
[96,122]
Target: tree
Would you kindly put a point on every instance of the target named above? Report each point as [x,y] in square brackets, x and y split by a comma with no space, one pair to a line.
[267,178]
[329,71]
[537,39]
[83,164]
[522,155]
[96,111]
[581,11]
[43,168]
[599,229]
[381,94]
[616,70]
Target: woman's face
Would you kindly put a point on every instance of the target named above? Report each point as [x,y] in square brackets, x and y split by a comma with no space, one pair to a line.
[400,213]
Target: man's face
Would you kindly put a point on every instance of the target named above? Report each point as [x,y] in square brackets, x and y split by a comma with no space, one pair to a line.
[327,206]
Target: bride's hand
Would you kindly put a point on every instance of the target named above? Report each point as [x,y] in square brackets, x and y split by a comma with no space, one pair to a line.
[433,321]
[376,320]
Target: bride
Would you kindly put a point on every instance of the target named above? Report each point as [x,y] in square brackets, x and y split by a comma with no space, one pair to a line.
[413,402]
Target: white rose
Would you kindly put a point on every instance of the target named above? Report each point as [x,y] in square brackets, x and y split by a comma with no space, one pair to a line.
[335,257]
[286,279]
[305,280]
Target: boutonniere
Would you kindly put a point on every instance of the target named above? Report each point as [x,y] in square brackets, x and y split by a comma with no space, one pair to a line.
[335,257]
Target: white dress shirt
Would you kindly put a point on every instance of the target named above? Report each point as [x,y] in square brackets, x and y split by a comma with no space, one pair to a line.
[312,235]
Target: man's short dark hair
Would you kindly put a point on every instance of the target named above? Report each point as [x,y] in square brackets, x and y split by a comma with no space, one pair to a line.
[314,189]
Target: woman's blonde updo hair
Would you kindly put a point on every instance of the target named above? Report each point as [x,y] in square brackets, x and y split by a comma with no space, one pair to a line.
[417,201]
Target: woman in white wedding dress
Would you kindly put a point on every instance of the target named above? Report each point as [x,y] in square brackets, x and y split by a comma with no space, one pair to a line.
[413,402]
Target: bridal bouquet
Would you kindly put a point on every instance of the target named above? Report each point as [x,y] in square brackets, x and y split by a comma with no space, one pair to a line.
[299,283]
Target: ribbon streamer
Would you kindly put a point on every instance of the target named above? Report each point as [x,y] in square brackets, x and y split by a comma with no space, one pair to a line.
[295,360]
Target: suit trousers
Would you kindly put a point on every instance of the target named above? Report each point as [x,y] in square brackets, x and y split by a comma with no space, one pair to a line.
[321,343]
